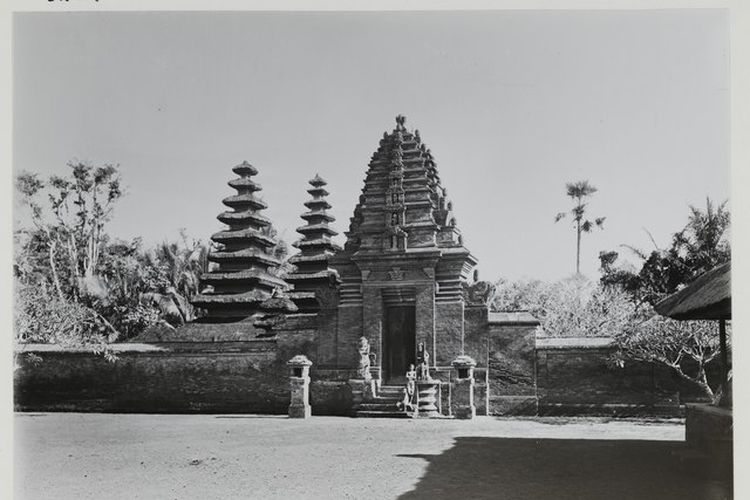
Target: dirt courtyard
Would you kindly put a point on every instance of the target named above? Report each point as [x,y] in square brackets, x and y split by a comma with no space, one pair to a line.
[111,456]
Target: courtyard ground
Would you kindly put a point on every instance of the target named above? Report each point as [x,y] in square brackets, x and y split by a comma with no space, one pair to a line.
[110,456]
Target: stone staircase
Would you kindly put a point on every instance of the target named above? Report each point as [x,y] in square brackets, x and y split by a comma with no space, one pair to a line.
[384,405]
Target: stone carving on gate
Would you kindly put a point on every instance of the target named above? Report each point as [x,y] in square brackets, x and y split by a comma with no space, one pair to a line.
[479,293]
[396,274]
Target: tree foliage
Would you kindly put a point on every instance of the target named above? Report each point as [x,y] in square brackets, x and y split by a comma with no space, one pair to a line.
[687,347]
[574,307]
[698,247]
[72,229]
[94,289]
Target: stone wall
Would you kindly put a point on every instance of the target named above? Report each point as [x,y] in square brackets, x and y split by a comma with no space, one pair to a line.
[211,368]
[226,368]
[573,377]
[511,377]
[219,377]
[226,377]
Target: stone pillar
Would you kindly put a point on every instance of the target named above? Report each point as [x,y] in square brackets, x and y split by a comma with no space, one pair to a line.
[299,383]
[462,397]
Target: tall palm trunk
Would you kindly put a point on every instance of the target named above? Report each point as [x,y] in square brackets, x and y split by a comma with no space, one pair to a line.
[578,248]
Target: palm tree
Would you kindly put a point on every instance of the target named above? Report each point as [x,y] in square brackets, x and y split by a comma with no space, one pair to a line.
[578,191]
[704,241]
[182,264]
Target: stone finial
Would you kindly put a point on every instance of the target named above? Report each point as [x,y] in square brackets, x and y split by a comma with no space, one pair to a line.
[464,361]
[317,181]
[299,360]
[400,120]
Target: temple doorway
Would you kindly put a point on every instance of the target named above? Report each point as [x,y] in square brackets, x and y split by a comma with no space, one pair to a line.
[399,342]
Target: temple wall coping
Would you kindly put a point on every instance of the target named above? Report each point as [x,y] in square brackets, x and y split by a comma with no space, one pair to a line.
[513,318]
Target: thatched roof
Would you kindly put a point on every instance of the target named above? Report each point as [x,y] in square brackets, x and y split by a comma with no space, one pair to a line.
[708,297]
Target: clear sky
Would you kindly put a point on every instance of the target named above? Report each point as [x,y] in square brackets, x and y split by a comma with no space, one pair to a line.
[512,104]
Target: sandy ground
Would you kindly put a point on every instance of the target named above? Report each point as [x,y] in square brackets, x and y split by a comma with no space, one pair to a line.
[105,456]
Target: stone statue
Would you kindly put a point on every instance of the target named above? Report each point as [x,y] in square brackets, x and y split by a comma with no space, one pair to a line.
[364,359]
[407,403]
[479,293]
[423,360]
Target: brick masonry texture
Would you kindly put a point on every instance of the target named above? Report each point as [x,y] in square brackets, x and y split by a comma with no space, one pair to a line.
[578,380]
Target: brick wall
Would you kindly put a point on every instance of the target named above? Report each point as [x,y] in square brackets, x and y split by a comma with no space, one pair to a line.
[212,368]
[511,377]
[573,377]
[220,377]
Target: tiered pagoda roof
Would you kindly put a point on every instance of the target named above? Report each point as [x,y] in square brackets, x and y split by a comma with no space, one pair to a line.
[316,247]
[244,283]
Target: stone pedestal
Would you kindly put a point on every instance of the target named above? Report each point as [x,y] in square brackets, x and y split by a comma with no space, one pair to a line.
[427,398]
[462,397]
[299,383]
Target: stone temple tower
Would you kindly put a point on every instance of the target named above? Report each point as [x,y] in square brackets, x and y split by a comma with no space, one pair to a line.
[244,283]
[404,264]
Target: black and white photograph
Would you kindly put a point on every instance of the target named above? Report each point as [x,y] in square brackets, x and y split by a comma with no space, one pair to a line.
[400,252]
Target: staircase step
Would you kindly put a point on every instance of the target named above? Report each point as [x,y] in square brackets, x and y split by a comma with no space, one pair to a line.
[377,406]
[382,414]
[385,399]
[390,392]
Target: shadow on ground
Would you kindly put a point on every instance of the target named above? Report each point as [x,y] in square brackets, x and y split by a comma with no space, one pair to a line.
[540,469]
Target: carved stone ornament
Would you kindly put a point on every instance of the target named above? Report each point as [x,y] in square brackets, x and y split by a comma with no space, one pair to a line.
[364,358]
[480,293]
[396,274]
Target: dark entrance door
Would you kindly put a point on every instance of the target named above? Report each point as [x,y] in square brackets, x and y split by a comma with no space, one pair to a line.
[399,341]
